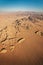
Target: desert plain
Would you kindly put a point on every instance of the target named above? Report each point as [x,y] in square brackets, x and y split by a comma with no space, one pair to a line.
[21,38]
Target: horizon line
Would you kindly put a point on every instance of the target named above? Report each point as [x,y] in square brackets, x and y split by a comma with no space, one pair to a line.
[19,11]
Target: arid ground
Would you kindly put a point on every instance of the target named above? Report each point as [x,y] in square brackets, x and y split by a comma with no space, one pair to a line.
[21,38]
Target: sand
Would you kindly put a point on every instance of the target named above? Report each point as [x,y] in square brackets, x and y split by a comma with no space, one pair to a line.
[21,38]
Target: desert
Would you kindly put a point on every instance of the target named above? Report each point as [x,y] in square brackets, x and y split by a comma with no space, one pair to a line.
[21,38]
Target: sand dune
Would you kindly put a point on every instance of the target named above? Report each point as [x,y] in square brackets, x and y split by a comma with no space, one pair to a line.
[21,38]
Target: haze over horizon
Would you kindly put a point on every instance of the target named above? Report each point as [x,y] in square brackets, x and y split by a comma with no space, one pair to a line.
[21,5]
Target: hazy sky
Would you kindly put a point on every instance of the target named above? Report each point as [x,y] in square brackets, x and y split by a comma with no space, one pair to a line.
[21,5]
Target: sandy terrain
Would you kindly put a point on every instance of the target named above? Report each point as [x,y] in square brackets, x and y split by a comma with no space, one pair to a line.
[21,38]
